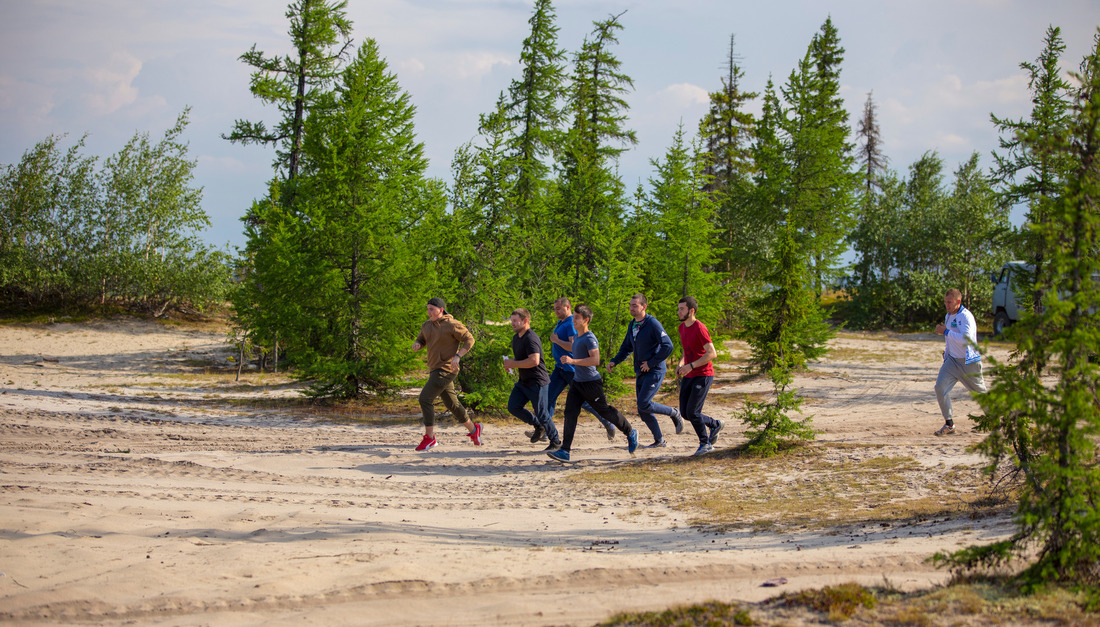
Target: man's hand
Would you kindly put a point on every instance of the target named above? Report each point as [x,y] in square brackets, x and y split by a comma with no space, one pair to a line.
[940,328]
[683,369]
[417,346]
[645,366]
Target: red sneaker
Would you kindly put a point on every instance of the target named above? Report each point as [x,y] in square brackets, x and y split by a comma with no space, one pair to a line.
[427,443]
[475,435]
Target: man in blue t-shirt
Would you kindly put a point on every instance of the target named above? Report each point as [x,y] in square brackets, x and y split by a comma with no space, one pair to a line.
[587,386]
[561,345]
[646,338]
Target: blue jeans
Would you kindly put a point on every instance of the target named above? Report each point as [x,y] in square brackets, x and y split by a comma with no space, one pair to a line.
[646,385]
[535,394]
[693,393]
[559,380]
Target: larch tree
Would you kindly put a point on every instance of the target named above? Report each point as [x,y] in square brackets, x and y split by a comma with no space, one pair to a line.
[320,35]
[1058,516]
[728,131]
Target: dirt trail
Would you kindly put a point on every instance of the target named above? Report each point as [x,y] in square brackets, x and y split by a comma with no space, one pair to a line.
[132,489]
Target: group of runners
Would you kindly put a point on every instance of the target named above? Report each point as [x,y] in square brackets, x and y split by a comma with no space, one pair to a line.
[576,354]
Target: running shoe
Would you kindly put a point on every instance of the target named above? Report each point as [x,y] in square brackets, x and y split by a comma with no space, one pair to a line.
[714,432]
[537,434]
[610,431]
[475,435]
[560,455]
[632,441]
[678,421]
[427,443]
[662,443]
[704,448]
[945,430]
[555,445]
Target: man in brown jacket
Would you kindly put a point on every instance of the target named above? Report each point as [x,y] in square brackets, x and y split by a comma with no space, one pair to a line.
[447,340]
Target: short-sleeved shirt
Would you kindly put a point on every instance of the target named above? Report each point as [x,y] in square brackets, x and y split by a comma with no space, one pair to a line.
[583,345]
[524,347]
[694,339]
[565,331]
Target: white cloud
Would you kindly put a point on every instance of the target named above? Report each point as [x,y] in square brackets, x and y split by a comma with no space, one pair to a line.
[411,66]
[683,95]
[112,84]
[477,64]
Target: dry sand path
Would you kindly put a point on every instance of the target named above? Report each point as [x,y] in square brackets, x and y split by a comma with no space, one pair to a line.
[131,494]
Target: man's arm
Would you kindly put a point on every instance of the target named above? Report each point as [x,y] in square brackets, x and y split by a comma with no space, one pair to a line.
[593,359]
[624,350]
[709,353]
[532,360]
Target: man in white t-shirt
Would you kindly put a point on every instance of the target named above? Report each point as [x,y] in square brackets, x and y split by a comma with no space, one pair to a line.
[962,363]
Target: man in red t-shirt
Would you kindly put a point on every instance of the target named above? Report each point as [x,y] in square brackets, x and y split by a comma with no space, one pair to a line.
[697,373]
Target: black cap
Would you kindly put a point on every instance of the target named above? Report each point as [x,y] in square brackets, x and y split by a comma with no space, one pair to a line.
[438,302]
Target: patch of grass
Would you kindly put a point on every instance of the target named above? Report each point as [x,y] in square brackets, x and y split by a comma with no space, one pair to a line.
[813,485]
[836,602]
[977,602]
[713,613]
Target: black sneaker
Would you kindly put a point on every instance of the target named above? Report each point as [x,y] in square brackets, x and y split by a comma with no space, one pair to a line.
[554,446]
[611,430]
[537,434]
[678,421]
[659,444]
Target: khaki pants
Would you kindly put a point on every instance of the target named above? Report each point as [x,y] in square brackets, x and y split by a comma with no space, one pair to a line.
[440,383]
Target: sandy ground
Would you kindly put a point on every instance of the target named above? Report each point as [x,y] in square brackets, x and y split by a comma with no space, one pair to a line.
[132,494]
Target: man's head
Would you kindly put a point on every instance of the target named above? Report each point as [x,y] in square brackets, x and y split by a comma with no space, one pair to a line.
[952,299]
[685,309]
[436,308]
[520,319]
[638,304]
[581,317]
[562,308]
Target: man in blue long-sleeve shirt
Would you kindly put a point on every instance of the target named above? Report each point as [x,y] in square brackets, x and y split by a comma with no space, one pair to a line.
[646,338]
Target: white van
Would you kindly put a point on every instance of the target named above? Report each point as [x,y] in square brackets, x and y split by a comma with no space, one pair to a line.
[1005,308]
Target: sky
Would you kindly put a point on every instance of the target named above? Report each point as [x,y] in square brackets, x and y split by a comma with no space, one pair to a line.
[110,68]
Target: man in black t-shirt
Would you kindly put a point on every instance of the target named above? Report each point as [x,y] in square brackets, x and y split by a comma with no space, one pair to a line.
[533,380]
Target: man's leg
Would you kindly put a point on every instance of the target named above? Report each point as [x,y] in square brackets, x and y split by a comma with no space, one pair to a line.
[573,402]
[431,391]
[692,395]
[542,414]
[972,378]
[593,392]
[450,397]
[559,380]
[517,400]
[646,386]
[945,381]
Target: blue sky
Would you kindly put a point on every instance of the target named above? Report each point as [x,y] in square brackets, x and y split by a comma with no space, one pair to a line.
[108,68]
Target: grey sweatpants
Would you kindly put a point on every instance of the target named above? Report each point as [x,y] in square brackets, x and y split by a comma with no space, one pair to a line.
[952,371]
